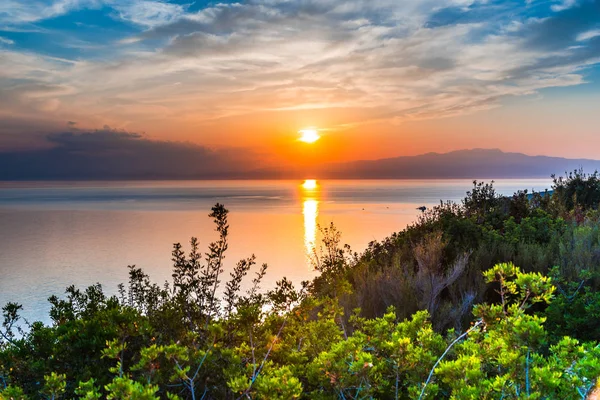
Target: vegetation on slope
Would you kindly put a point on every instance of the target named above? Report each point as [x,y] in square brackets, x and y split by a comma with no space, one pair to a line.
[436,311]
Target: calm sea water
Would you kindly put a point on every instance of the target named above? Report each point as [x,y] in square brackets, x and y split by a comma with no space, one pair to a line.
[54,234]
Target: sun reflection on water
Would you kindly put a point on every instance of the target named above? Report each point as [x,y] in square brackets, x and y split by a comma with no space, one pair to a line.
[310,210]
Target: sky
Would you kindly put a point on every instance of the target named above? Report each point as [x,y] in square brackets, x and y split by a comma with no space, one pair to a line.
[236,81]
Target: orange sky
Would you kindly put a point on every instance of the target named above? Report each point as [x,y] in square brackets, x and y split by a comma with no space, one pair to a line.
[559,125]
[378,78]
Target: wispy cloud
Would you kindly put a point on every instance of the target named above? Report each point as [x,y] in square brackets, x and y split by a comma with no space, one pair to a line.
[588,35]
[563,5]
[148,13]
[407,59]
[13,12]
[143,12]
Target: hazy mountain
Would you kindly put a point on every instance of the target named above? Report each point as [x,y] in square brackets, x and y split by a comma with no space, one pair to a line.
[476,163]
[113,155]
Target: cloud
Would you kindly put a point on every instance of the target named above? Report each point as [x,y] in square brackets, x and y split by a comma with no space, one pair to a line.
[401,60]
[588,35]
[148,13]
[110,154]
[563,5]
[114,154]
[558,31]
[13,12]
[143,12]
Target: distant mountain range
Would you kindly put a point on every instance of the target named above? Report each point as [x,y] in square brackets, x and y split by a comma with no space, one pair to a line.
[475,163]
[149,160]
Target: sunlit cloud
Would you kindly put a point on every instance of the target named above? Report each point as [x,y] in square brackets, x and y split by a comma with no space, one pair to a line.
[399,60]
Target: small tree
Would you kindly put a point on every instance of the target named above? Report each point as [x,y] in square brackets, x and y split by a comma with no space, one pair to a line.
[577,189]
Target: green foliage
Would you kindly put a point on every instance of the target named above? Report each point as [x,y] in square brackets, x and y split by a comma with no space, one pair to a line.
[577,190]
[12,393]
[381,359]
[437,311]
[55,385]
[332,261]
[575,311]
[506,357]
[522,289]
[577,277]
[273,383]
[124,388]
[482,201]
[10,317]
[87,390]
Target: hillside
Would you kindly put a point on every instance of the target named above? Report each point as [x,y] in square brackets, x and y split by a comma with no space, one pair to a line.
[476,163]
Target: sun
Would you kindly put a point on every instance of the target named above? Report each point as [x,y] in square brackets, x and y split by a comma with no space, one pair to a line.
[309,184]
[309,135]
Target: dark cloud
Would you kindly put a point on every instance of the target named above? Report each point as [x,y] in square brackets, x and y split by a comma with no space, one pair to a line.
[477,12]
[575,59]
[108,154]
[558,36]
[113,154]
[561,30]
[25,133]
[226,19]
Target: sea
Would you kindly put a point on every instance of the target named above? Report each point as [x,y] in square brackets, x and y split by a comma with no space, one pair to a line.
[56,234]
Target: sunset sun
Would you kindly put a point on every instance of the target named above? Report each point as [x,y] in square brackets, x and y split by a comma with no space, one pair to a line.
[309,135]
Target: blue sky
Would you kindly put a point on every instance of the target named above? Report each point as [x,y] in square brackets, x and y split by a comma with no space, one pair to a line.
[407,76]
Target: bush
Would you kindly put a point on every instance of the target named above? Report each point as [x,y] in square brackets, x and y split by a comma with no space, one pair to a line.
[415,316]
